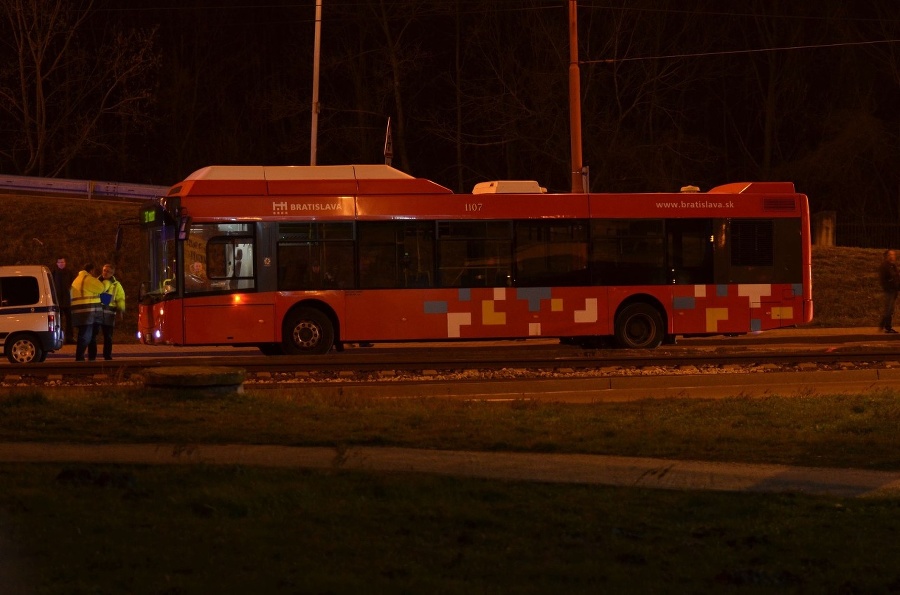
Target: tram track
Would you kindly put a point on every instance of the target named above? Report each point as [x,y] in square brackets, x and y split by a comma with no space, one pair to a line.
[469,364]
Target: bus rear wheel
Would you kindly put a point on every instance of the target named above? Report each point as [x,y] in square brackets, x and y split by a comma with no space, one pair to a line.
[307,332]
[639,326]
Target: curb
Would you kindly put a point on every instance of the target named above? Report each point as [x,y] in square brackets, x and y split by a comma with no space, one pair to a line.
[635,472]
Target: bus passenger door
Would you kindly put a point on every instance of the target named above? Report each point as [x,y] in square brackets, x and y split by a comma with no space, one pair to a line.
[689,251]
[699,305]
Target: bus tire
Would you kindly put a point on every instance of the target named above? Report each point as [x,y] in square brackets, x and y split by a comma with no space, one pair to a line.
[307,331]
[23,349]
[639,326]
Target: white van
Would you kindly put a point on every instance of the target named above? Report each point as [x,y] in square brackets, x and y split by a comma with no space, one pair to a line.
[29,313]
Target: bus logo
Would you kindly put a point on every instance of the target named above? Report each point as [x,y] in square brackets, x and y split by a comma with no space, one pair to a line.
[283,208]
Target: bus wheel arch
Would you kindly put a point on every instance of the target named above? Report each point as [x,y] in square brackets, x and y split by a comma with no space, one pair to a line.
[309,328]
[640,323]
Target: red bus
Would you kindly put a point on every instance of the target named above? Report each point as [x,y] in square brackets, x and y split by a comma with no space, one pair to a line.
[300,260]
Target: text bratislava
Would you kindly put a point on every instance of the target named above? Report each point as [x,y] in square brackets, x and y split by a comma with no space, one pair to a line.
[286,207]
[696,204]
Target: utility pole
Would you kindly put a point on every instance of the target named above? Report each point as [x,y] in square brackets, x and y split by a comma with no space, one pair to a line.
[578,172]
[314,128]
[388,144]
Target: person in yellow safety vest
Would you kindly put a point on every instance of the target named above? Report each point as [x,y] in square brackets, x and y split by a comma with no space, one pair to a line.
[112,306]
[86,313]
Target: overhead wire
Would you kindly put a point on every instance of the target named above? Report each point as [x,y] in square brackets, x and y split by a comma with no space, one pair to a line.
[735,52]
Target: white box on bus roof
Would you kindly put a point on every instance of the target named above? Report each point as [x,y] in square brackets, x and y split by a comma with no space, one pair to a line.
[509,187]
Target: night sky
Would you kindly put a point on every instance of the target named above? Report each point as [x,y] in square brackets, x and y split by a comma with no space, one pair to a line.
[672,93]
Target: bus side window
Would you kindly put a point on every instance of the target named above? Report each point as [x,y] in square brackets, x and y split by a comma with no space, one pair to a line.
[293,266]
[226,264]
[376,267]
[417,278]
[396,254]
[628,252]
[337,265]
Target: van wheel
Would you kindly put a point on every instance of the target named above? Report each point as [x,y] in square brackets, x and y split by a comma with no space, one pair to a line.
[24,349]
[639,326]
[307,332]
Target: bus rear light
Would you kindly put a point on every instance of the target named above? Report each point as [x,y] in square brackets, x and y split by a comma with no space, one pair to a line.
[51,322]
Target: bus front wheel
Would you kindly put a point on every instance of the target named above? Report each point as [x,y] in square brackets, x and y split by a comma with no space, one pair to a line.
[639,326]
[307,331]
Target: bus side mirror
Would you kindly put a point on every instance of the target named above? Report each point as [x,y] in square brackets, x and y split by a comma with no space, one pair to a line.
[184,228]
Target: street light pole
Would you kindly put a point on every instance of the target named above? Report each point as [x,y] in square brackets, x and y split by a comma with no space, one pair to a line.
[575,101]
[314,128]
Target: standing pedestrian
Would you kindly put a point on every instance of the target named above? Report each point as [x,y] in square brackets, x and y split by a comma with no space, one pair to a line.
[112,307]
[62,278]
[86,290]
[889,276]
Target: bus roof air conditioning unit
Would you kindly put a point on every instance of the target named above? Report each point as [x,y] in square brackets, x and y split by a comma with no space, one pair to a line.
[509,187]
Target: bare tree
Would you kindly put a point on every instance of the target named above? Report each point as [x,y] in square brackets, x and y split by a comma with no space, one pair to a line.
[372,59]
[505,74]
[57,91]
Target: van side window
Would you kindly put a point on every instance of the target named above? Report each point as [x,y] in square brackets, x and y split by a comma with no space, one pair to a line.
[19,291]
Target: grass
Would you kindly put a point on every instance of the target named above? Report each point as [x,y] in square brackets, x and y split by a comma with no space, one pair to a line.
[846,292]
[198,529]
[826,431]
[238,530]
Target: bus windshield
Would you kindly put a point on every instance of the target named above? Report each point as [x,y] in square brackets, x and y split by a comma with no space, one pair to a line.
[159,247]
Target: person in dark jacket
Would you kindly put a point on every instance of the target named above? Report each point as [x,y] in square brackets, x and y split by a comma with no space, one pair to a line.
[889,277]
[62,278]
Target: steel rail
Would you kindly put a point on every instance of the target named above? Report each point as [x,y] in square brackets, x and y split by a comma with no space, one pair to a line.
[523,362]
